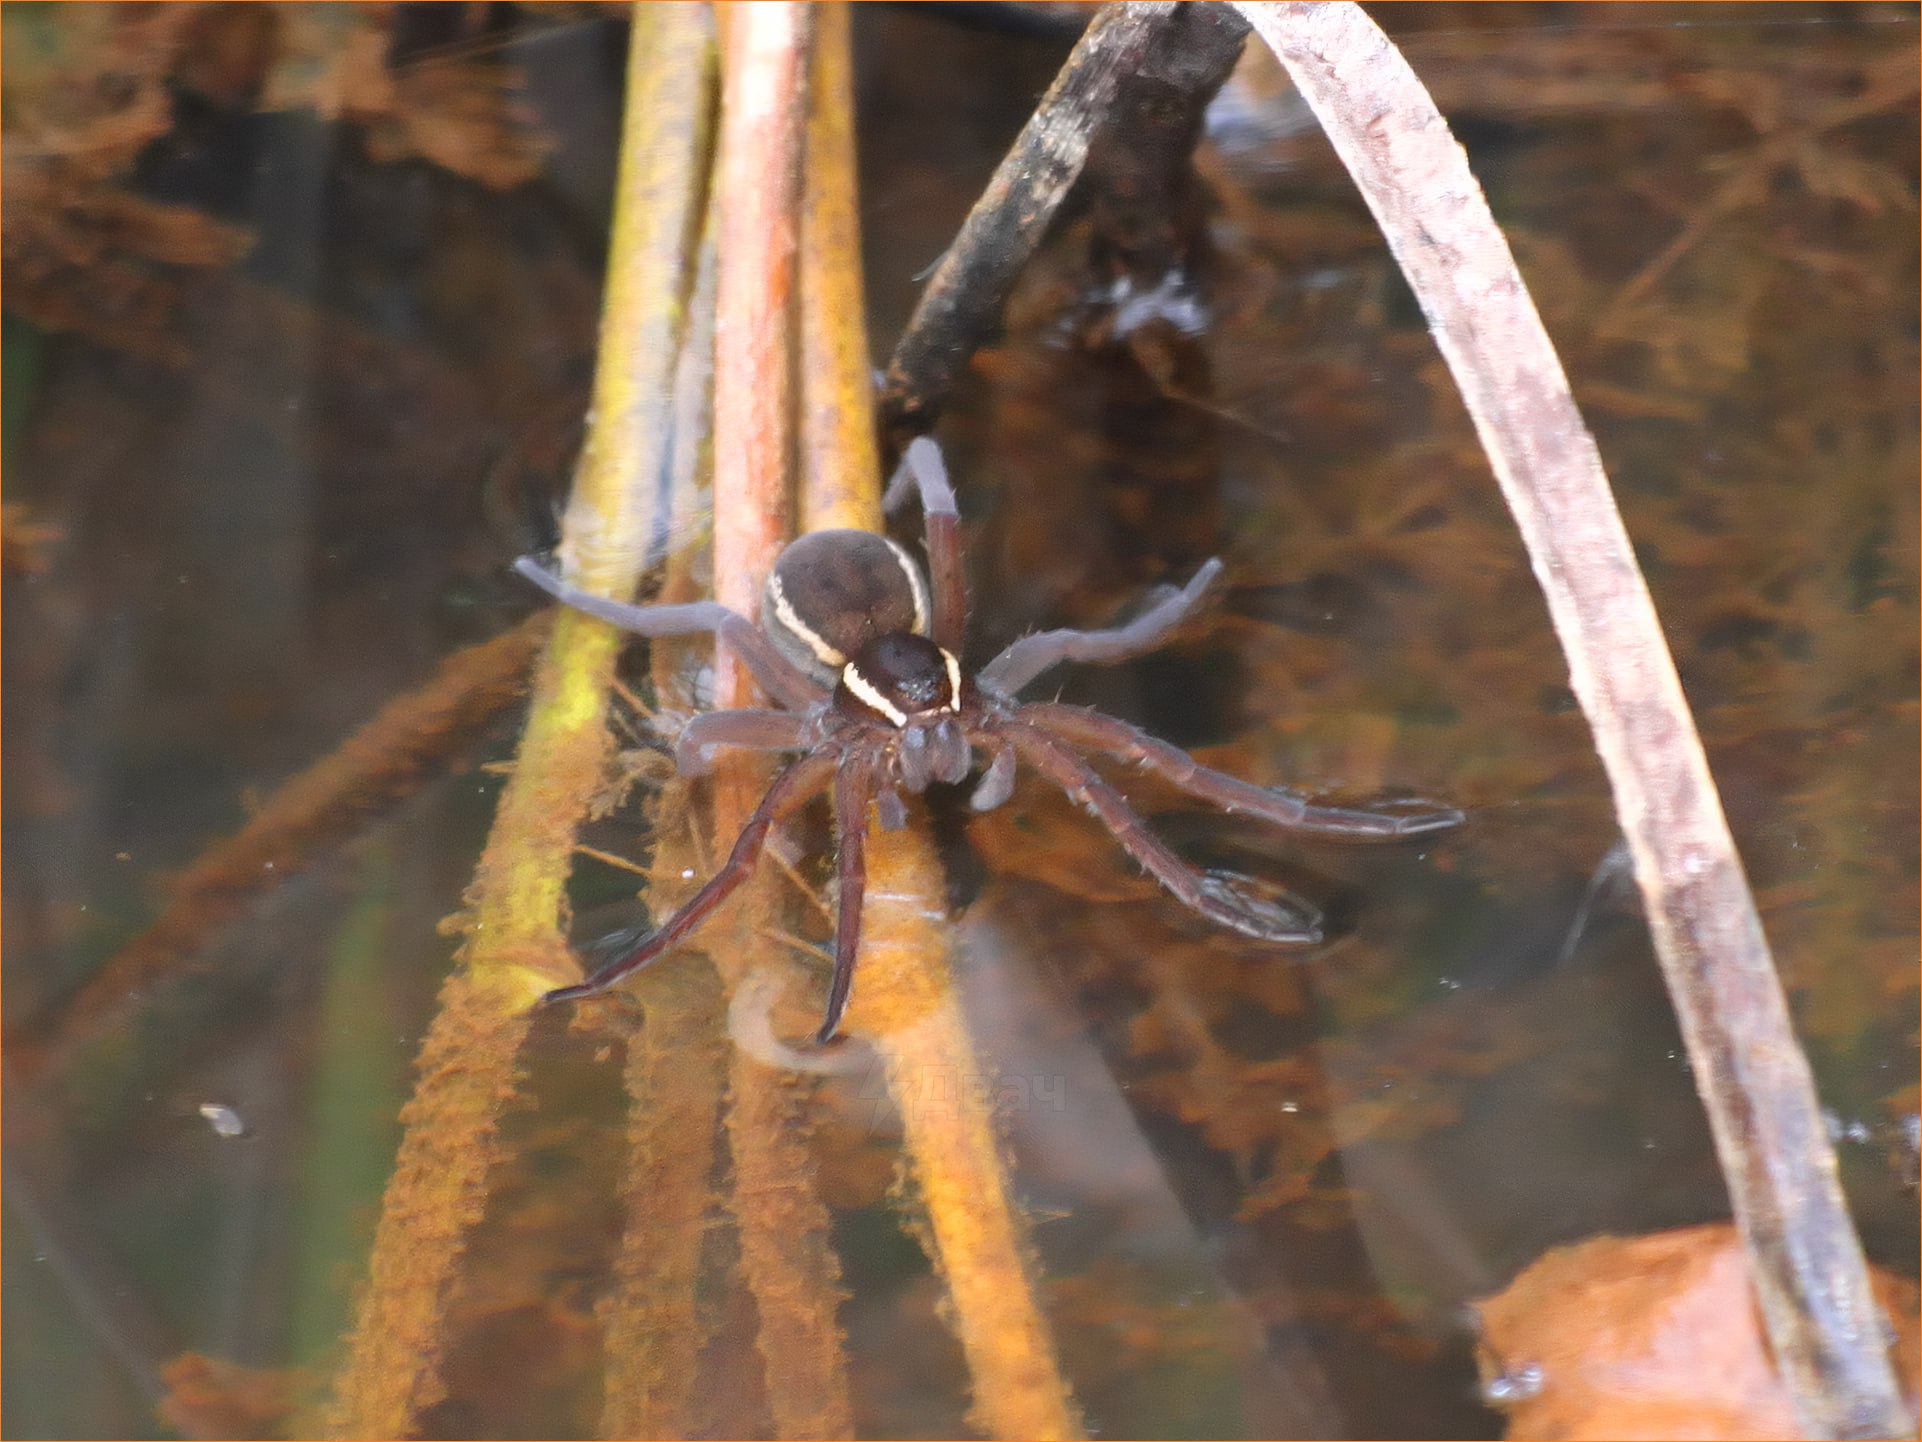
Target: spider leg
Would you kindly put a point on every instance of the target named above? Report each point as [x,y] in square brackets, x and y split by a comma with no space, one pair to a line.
[854,788]
[1028,657]
[778,676]
[997,782]
[1092,731]
[946,576]
[1221,898]
[801,781]
[746,729]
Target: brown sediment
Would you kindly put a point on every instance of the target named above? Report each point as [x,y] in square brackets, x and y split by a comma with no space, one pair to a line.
[405,745]
[468,1069]
[1809,1273]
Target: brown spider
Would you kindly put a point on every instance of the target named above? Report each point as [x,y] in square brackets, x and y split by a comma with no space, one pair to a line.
[878,704]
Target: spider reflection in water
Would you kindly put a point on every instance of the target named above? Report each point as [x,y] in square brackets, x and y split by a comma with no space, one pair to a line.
[861,650]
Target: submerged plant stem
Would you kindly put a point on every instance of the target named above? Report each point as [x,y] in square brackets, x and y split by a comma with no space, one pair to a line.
[675,1072]
[404,745]
[906,1001]
[904,997]
[515,950]
[1809,1273]
[840,469]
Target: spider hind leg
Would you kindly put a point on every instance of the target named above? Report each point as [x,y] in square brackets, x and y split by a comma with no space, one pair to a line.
[1229,901]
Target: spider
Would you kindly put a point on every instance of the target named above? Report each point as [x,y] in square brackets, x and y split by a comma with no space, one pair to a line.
[860,649]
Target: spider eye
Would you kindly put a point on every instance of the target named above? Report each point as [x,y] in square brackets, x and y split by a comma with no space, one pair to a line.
[831,592]
[899,676]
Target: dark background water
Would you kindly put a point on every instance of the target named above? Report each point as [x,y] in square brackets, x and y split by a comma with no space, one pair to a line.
[285,393]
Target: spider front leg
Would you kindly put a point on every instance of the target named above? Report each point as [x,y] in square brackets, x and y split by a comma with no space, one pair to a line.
[855,785]
[805,779]
[1028,657]
[1092,731]
[778,676]
[947,577]
[1218,897]
[744,729]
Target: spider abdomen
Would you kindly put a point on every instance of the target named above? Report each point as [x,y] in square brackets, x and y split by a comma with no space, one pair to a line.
[831,592]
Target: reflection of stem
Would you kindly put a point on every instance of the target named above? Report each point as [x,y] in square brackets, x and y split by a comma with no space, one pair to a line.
[1810,1279]
[905,1001]
[407,743]
[904,995]
[515,951]
[676,1069]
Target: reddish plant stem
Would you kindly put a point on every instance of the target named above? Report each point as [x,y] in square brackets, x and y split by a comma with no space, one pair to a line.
[760,155]
[786,1257]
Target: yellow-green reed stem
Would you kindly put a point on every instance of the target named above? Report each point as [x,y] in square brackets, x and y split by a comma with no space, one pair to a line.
[839,466]
[515,951]
[675,1072]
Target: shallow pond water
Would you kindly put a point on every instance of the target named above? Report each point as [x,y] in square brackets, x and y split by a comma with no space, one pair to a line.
[285,395]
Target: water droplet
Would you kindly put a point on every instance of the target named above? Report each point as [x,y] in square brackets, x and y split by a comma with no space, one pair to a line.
[1517,1384]
[225,1121]
[1262,909]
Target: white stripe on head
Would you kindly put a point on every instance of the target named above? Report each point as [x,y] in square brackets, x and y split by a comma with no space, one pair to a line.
[824,651]
[917,586]
[954,681]
[864,690]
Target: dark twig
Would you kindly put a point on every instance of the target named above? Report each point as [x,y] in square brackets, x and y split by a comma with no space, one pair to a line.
[1181,54]
[1148,211]
[1822,1320]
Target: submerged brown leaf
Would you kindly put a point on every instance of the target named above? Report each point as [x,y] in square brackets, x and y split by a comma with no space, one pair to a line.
[1652,1337]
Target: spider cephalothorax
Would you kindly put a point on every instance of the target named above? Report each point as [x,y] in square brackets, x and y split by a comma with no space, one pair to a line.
[862,651]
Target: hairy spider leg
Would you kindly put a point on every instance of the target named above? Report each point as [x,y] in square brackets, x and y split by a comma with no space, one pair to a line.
[854,787]
[745,729]
[1090,730]
[802,781]
[778,676]
[1027,658]
[1214,897]
[997,780]
[947,577]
